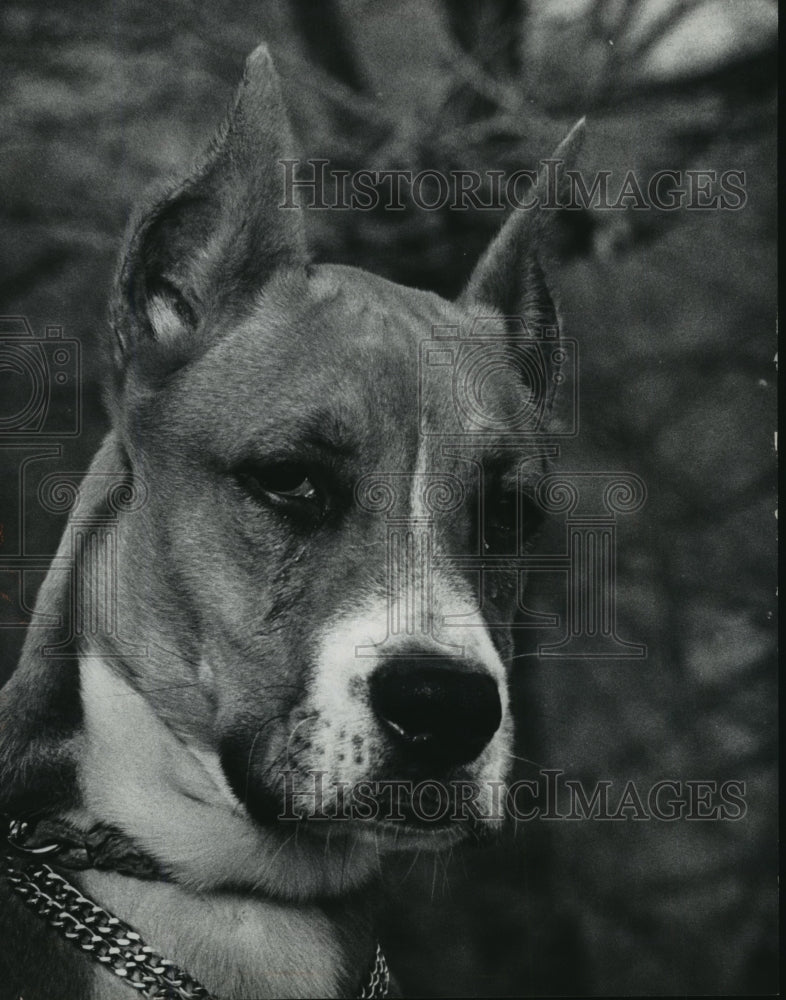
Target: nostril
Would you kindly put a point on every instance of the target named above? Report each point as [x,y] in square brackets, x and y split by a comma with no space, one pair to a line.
[435,709]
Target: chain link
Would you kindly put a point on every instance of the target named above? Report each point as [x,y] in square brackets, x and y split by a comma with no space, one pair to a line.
[379,981]
[117,946]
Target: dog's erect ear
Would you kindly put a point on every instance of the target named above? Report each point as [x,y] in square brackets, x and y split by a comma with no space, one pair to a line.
[218,235]
[509,277]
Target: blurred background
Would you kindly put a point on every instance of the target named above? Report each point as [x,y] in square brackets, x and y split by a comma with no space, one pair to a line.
[674,312]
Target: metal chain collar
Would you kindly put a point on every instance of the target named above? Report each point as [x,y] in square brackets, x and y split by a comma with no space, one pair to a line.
[115,944]
[105,938]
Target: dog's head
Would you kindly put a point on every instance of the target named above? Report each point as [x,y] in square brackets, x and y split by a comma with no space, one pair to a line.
[325,568]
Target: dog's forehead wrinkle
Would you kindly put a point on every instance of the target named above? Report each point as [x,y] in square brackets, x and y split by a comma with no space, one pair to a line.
[389,314]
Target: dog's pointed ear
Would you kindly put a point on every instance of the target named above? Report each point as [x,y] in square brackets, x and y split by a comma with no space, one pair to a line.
[217,236]
[509,278]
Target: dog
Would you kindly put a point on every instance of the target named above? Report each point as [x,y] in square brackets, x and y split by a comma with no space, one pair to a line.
[289,602]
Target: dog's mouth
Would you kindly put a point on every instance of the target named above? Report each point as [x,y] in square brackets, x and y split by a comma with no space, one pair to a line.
[389,837]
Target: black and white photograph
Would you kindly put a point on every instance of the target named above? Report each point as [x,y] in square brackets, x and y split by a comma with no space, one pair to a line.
[388,499]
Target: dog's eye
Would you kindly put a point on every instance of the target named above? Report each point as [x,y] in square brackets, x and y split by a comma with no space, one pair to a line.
[286,485]
[504,533]
[288,480]
[500,527]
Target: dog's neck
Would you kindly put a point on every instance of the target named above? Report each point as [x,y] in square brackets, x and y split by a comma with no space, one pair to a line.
[237,945]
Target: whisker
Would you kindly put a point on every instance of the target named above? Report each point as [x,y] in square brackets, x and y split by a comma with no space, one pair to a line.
[257,734]
[525,760]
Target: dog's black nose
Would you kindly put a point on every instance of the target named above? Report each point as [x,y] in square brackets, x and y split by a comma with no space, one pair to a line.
[435,711]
